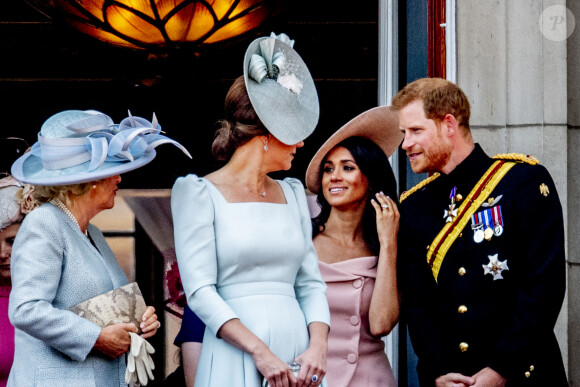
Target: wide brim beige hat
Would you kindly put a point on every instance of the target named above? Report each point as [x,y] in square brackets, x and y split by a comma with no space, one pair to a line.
[281,88]
[379,124]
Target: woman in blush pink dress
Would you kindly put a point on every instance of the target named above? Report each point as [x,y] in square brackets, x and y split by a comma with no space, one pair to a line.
[355,236]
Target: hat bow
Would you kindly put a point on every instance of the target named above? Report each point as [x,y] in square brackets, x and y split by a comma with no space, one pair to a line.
[97,139]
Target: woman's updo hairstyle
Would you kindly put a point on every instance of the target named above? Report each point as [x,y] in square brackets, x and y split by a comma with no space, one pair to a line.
[46,193]
[240,123]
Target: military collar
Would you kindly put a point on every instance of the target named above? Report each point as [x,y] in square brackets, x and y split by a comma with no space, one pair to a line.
[473,166]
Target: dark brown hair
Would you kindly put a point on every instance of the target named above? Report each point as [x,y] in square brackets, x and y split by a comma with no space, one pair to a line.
[240,123]
[375,166]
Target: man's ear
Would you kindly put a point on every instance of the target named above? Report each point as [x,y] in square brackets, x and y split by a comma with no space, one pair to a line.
[450,125]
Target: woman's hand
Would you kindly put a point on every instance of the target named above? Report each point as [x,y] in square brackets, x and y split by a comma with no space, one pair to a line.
[273,369]
[114,340]
[312,366]
[384,307]
[150,325]
[387,219]
[313,360]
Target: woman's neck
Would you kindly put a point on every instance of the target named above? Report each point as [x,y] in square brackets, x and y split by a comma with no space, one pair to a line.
[345,225]
[253,179]
[246,167]
[82,210]
[342,238]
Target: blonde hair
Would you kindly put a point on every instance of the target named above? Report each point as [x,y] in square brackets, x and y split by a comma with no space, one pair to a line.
[45,193]
[439,96]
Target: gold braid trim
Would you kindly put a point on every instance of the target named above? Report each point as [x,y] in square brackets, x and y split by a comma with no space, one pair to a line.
[529,159]
[416,188]
[517,157]
[451,231]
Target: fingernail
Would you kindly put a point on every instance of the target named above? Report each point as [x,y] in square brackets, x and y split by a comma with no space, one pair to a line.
[142,325]
[382,193]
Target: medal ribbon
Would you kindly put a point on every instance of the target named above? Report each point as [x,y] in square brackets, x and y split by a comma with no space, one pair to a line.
[487,220]
[450,232]
[452,194]
[475,220]
[497,218]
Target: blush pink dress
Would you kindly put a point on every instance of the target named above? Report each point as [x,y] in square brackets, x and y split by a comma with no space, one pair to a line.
[355,357]
[6,337]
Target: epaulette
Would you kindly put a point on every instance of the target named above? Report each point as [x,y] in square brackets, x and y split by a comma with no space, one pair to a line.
[416,188]
[529,159]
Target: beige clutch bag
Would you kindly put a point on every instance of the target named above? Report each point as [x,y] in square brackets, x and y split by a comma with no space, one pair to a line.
[121,305]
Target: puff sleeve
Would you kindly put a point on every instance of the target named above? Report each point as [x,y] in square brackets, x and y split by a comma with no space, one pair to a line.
[309,286]
[195,248]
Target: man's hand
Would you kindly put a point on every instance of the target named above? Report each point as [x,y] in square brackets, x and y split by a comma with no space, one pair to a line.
[489,378]
[454,380]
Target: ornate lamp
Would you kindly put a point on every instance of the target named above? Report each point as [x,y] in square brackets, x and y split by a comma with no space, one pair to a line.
[160,24]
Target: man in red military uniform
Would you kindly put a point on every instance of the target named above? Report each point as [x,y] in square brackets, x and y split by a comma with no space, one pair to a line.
[481,242]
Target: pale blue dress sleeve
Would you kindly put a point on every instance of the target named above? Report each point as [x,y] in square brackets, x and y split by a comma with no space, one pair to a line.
[309,287]
[195,248]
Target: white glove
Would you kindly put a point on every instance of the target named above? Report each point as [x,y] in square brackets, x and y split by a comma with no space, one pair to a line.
[140,365]
[130,374]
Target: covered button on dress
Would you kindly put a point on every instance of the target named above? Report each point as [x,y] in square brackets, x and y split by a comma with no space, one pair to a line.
[355,357]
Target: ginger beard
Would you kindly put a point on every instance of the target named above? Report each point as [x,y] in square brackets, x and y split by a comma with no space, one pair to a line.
[431,155]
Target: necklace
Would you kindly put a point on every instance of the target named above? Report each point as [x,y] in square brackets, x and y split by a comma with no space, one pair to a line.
[65,209]
[237,182]
[255,191]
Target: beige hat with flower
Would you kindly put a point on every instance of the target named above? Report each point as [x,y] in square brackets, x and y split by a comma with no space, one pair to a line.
[15,201]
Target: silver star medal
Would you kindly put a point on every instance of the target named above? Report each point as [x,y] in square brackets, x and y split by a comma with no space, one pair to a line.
[495,267]
[450,214]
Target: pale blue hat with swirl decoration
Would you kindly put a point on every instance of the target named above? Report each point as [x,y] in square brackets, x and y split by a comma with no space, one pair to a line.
[79,146]
[281,88]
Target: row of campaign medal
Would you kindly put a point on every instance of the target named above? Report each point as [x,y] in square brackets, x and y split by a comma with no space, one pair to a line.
[485,224]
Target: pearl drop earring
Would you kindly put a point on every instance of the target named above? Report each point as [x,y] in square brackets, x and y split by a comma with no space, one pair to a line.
[266,147]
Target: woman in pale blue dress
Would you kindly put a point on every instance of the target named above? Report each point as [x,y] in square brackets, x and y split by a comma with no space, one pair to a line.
[245,254]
